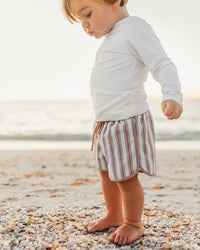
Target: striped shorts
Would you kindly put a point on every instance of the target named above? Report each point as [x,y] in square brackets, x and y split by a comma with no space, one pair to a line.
[126,147]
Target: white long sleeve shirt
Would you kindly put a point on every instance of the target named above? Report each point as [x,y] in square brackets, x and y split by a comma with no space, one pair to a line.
[123,60]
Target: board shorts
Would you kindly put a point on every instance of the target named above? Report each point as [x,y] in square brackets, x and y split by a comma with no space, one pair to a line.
[125,147]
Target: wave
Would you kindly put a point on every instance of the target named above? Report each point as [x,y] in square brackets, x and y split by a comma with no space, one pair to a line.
[48,137]
[185,136]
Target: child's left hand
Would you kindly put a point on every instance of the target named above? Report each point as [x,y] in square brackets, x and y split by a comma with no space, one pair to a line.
[171,109]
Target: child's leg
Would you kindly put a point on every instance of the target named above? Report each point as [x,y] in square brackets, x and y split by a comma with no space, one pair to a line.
[113,201]
[133,200]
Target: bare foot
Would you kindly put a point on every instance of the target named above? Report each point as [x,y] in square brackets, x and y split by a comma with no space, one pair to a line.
[103,223]
[126,234]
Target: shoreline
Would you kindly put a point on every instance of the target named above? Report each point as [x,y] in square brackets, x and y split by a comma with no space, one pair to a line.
[85,145]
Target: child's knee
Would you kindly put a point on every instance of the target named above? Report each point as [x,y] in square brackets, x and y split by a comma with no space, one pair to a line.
[129,182]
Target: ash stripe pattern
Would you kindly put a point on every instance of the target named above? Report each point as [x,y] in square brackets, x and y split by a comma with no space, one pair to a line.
[127,146]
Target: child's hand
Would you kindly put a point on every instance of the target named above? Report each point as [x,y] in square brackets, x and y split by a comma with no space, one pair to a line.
[171,109]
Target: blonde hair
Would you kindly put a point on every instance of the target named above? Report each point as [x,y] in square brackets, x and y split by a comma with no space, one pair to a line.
[73,18]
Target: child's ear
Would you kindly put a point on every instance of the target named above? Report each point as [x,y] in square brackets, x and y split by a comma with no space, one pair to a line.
[117,4]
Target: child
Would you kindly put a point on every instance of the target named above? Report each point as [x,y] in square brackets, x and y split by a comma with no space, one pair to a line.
[123,134]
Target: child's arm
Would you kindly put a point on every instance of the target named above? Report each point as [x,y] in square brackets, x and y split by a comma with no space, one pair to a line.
[147,47]
[171,109]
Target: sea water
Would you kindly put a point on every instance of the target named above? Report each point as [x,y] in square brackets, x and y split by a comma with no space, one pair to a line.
[73,120]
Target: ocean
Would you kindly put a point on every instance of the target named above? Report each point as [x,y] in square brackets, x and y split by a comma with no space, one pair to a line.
[73,121]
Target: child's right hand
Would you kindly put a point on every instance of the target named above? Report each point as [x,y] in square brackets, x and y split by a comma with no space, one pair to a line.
[171,109]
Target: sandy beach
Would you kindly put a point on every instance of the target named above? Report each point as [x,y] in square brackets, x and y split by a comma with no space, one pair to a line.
[47,197]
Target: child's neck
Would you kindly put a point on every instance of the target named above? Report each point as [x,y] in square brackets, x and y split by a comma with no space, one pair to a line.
[118,15]
[121,13]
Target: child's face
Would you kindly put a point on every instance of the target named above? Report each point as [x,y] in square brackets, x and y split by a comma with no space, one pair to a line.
[97,17]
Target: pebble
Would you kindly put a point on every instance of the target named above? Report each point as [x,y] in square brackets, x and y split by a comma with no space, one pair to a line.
[33,227]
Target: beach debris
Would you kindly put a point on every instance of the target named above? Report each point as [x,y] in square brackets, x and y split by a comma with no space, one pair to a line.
[158,187]
[30,217]
[14,165]
[36,227]
[3,173]
[53,195]
[29,195]
[28,175]
[82,181]
[182,187]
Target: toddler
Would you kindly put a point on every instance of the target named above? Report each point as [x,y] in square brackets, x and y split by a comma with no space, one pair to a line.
[123,135]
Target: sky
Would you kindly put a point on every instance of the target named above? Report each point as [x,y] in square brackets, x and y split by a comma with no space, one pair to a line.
[43,56]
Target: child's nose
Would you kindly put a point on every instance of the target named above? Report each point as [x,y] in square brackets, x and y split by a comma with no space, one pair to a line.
[85,24]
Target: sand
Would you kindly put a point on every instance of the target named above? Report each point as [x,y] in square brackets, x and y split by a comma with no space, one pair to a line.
[68,180]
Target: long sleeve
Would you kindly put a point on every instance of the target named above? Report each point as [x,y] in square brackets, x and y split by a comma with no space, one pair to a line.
[147,47]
